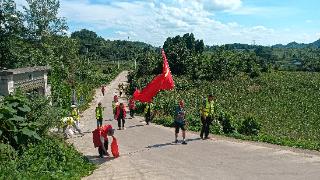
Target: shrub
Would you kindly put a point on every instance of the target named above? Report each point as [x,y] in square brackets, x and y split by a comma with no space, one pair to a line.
[216,128]
[228,122]
[51,158]
[249,126]
[194,123]
[7,152]
[164,120]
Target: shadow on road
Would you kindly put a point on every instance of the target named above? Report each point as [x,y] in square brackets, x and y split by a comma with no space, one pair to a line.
[194,139]
[170,144]
[161,145]
[97,160]
[138,125]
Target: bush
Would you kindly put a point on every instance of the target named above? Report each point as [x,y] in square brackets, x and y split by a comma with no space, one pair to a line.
[249,126]
[52,158]
[164,120]
[228,122]
[194,123]
[7,152]
[216,128]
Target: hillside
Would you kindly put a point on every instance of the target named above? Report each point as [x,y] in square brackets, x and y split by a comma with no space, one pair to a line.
[315,44]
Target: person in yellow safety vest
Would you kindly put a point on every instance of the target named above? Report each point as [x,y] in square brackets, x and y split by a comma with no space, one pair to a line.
[99,114]
[207,112]
[75,115]
[67,123]
[148,112]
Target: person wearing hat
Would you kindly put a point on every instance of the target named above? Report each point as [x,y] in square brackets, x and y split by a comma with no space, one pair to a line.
[99,114]
[207,112]
[180,122]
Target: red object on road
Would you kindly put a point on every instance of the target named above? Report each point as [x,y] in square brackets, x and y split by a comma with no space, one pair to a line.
[114,148]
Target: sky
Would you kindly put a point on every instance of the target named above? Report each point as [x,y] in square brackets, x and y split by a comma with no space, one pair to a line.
[264,22]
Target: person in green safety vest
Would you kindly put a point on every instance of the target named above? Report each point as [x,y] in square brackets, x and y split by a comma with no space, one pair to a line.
[67,124]
[75,115]
[99,114]
[148,112]
[207,112]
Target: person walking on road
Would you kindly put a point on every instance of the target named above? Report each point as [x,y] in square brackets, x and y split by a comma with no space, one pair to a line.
[132,107]
[99,114]
[115,104]
[180,122]
[207,112]
[103,89]
[121,115]
[148,112]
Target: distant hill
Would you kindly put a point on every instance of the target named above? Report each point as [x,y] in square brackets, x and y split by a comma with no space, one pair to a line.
[296,45]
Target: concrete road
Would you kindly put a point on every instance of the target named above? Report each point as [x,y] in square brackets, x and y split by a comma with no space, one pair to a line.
[148,152]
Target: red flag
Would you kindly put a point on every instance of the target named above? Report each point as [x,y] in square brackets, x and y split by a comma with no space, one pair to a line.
[167,83]
[163,81]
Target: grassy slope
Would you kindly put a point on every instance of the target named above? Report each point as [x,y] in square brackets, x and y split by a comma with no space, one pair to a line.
[285,103]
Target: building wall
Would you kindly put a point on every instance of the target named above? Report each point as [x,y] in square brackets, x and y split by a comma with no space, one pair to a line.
[6,85]
[10,82]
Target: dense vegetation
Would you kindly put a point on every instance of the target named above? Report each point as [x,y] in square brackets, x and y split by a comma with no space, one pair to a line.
[36,36]
[256,99]
[28,150]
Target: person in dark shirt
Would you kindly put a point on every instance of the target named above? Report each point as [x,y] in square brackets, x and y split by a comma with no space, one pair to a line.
[121,115]
[180,122]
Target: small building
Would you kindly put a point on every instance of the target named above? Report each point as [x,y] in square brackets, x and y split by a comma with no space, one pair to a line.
[29,79]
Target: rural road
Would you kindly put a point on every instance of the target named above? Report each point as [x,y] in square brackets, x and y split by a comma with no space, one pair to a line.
[148,152]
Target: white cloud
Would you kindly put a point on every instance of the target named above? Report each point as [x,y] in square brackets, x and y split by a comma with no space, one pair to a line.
[222,4]
[153,21]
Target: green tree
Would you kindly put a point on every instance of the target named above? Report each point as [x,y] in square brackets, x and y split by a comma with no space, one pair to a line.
[42,19]
[11,24]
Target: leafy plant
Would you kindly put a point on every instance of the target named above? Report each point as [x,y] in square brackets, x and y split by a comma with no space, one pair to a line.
[249,126]
[15,128]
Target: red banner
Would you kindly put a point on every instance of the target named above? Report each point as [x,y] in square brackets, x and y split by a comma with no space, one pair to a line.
[163,81]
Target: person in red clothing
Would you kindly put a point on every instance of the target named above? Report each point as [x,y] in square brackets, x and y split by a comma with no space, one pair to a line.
[100,139]
[103,89]
[132,107]
[115,104]
[121,115]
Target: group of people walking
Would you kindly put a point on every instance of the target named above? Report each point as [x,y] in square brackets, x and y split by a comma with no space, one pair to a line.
[207,113]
